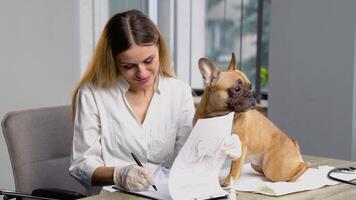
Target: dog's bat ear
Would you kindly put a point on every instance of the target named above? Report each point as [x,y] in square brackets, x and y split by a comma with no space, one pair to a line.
[232,65]
[209,71]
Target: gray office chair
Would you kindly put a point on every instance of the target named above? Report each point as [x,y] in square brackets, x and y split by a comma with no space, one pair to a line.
[39,142]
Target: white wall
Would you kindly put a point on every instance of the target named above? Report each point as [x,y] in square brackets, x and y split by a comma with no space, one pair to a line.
[39,59]
[312,74]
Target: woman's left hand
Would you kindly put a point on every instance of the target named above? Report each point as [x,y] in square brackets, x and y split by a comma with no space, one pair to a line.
[232,147]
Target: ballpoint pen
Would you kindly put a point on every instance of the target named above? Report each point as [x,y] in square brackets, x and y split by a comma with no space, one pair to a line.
[138,162]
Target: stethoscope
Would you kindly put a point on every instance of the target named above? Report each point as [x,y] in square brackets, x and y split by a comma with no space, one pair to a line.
[342,170]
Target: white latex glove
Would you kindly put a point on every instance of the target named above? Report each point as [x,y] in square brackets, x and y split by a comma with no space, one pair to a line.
[232,147]
[133,177]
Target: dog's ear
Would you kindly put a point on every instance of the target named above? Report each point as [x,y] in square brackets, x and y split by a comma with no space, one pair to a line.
[232,65]
[209,71]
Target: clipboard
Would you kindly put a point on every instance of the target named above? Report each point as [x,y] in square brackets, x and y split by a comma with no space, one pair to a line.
[147,194]
[151,194]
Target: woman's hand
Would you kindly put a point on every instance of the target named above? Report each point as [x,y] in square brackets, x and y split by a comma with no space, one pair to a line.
[133,177]
[232,147]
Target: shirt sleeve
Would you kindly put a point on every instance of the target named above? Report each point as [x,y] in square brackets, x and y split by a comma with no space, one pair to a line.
[185,119]
[86,149]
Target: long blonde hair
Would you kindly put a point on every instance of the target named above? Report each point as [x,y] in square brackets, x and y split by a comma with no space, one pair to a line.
[119,34]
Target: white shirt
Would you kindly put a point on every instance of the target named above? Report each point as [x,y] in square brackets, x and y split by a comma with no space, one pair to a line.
[106,129]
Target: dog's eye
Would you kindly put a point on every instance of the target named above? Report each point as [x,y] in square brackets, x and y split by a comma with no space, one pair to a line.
[237,89]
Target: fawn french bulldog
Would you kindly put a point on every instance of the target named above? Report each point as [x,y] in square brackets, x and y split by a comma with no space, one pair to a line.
[269,150]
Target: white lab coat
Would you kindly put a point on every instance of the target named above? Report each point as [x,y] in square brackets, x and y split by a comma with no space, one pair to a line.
[106,130]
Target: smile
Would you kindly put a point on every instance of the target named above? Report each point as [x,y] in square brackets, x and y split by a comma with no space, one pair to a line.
[143,80]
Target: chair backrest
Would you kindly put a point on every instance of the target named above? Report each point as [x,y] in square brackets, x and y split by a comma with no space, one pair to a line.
[39,142]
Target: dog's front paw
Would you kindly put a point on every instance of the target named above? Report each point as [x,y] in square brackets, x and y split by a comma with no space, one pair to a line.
[225,182]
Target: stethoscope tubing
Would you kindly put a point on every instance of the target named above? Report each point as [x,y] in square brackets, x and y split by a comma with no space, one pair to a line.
[342,170]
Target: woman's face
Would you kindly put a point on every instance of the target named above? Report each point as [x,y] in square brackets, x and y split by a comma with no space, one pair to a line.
[139,65]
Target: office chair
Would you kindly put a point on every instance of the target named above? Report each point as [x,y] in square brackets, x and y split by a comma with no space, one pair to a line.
[39,142]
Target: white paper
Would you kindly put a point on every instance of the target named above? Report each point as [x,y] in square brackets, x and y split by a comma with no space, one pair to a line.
[195,171]
[312,179]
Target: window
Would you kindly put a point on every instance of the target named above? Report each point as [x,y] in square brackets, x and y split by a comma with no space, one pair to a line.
[195,29]
[232,26]
[214,29]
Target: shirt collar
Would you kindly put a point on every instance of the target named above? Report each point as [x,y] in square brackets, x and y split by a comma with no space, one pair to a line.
[124,85]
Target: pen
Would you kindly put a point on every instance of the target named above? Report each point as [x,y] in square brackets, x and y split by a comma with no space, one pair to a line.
[140,164]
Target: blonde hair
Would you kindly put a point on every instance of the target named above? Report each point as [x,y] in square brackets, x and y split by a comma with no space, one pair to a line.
[119,34]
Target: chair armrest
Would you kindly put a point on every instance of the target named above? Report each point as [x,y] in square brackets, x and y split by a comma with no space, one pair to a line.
[57,193]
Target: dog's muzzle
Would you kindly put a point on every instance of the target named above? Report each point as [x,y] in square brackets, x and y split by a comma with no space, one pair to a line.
[243,102]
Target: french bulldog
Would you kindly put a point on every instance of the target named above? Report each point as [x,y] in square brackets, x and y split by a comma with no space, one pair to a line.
[269,150]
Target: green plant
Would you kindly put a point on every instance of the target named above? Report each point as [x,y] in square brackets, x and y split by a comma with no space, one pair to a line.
[264,76]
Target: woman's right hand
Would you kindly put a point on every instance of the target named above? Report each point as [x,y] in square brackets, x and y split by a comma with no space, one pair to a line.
[133,177]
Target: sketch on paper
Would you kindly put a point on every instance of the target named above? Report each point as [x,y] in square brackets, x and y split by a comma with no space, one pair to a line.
[195,170]
[202,154]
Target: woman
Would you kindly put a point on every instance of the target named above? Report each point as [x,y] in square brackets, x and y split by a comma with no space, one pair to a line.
[128,102]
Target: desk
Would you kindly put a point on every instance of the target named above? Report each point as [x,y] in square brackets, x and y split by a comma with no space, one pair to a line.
[337,192]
